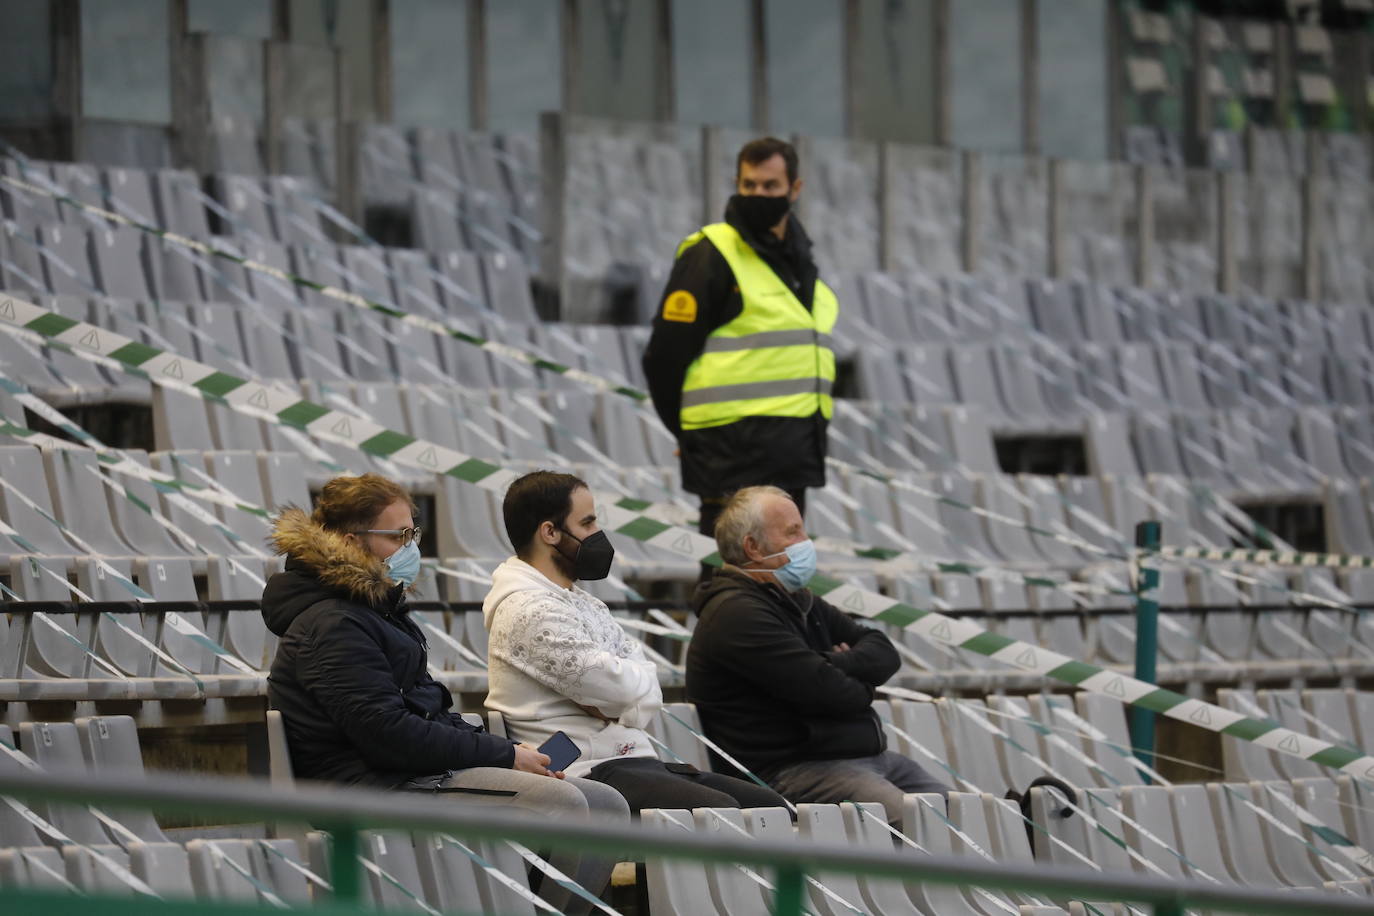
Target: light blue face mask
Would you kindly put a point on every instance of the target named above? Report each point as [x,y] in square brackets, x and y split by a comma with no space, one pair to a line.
[404,564]
[799,568]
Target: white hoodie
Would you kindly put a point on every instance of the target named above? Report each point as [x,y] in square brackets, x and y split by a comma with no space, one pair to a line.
[552,650]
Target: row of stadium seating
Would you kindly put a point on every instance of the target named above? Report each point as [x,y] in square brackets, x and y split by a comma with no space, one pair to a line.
[126,646]
[1183,830]
[613,227]
[924,513]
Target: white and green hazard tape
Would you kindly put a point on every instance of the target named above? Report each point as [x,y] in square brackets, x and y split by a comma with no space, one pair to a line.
[109,458]
[46,828]
[600,383]
[1268,557]
[625,517]
[497,348]
[519,355]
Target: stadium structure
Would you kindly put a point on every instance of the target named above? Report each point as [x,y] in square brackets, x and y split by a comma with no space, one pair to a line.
[1100,264]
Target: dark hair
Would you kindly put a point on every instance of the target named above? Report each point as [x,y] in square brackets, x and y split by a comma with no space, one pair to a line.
[532,500]
[350,504]
[761,150]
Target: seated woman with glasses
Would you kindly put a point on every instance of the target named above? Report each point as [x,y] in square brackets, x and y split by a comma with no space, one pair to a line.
[351,676]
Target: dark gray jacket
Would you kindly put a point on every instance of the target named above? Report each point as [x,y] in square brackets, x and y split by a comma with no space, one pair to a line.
[351,676]
[769,688]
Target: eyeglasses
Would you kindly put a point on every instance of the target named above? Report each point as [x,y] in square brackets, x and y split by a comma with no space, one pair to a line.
[402,536]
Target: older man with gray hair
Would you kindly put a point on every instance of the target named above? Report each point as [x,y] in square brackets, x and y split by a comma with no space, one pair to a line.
[783,680]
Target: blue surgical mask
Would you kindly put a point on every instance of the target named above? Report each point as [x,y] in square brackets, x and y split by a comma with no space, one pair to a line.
[404,564]
[799,568]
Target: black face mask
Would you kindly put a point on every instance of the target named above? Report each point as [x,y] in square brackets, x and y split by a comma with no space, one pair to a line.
[593,558]
[760,214]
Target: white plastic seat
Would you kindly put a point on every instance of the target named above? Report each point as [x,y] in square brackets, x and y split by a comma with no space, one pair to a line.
[110,743]
[922,820]
[449,878]
[825,824]
[732,889]
[33,866]
[677,887]
[1238,827]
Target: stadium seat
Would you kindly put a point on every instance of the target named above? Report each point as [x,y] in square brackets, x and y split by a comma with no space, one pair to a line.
[110,745]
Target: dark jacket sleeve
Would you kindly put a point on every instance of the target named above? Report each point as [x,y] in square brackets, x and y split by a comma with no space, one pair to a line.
[871,657]
[348,674]
[703,272]
[771,656]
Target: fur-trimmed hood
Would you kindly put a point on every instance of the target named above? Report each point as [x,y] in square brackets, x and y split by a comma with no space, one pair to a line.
[322,564]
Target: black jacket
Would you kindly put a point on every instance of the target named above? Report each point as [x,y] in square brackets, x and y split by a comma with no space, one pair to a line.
[350,676]
[766,681]
[788,452]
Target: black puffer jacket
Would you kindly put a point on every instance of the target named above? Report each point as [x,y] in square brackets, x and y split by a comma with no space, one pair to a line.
[770,689]
[350,676]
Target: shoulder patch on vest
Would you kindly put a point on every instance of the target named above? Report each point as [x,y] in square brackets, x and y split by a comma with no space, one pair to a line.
[680,306]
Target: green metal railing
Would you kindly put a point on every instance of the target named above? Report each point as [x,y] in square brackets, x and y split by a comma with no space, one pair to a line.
[345,812]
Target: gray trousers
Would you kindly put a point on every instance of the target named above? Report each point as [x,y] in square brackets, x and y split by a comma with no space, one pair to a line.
[884,778]
[555,799]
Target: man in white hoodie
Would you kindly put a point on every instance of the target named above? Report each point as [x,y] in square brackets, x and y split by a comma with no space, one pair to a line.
[560,662]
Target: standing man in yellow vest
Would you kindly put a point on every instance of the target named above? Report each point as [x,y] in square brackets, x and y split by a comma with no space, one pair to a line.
[740,364]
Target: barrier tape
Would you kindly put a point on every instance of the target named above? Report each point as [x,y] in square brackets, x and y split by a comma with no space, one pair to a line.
[157,651]
[500,877]
[81,596]
[977,790]
[506,351]
[179,624]
[1006,313]
[1331,837]
[982,893]
[1085,729]
[297,867]
[560,878]
[725,755]
[267,894]
[173,528]
[126,466]
[1267,557]
[670,511]
[44,827]
[757,878]
[888,725]
[1093,733]
[439,632]
[1338,842]
[36,863]
[395,882]
[898,483]
[1142,860]
[623,516]
[127,583]
[1335,736]
[829,894]
[748,872]
[123,835]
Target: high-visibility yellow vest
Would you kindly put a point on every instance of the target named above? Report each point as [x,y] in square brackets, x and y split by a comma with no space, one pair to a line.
[774,359]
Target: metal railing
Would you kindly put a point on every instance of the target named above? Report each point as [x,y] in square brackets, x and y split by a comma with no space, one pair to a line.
[345,813]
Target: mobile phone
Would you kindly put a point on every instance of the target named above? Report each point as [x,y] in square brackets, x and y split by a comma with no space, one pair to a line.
[561,751]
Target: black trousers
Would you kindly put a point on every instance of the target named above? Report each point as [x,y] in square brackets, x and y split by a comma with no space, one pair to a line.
[649,783]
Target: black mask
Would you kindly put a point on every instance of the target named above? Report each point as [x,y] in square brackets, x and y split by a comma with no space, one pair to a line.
[760,214]
[593,557]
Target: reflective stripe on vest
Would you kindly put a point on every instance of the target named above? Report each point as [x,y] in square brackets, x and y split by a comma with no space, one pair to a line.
[773,359]
[749,390]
